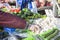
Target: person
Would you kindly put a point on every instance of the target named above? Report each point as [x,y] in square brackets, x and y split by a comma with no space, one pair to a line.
[1,5]
[42,3]
[5,4]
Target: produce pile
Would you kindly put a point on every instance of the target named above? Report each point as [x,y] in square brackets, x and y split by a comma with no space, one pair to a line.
[25,14]
[48,35]
[44,29]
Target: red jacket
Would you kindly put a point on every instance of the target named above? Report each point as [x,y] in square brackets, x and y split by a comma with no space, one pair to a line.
[7,19]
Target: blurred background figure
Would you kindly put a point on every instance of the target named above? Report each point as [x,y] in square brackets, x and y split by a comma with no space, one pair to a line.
[4,3]
[42,3]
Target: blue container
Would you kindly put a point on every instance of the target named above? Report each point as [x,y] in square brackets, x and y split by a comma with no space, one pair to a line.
[9,30]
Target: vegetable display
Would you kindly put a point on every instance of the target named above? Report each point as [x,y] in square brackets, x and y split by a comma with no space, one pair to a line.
[5,10]
[46,34]
[52,35]
[44,29]
[58,38]
[49,34]
[27,14]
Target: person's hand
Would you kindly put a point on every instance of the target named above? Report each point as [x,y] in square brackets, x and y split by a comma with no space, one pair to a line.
[36,29]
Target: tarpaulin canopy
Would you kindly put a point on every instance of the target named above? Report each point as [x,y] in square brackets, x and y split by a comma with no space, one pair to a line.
[7,19]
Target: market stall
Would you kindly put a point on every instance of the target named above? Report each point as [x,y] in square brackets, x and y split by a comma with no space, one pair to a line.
[29,20]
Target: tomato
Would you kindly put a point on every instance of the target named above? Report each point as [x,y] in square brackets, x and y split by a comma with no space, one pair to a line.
[12,10]
[17,10]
